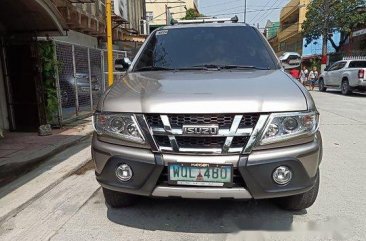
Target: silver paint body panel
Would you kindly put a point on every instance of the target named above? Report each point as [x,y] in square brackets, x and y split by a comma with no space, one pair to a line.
[201,192]
[206,92]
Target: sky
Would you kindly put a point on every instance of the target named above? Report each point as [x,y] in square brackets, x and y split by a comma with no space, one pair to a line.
[258,11]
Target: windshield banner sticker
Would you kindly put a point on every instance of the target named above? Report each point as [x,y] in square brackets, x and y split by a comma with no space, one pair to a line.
[162,32]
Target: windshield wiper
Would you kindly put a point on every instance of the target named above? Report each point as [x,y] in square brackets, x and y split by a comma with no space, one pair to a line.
[200,67]
[243,67]
[219,67]
[153,68]
[206,66]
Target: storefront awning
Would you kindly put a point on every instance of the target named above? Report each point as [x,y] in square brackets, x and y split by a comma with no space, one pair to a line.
[22,16]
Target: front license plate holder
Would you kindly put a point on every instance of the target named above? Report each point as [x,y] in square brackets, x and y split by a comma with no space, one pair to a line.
[200,174]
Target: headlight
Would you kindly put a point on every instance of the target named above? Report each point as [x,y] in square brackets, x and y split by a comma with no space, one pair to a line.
[122,126]
[284,126]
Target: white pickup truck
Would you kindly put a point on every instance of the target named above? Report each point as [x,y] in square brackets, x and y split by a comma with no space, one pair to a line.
[347,75]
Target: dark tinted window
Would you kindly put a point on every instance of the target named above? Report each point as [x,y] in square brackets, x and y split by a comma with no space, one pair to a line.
[357,64]
[337,66]
[333,67]
[341,65]
[187,47]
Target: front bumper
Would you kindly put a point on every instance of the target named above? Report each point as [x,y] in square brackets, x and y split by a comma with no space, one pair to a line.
[255,170]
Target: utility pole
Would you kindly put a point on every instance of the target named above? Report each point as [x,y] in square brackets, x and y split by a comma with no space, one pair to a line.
[166,14]
[325,36]
[108,9]
[245,11]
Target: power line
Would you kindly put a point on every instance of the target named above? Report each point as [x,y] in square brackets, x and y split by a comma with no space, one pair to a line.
[221,10]
[217,4]
[249,11]
[270,11]
[259,13]
[264,15]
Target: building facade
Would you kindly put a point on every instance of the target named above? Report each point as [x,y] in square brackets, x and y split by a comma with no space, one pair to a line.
[270,31]
[76,31]
[291,18]
[159,13]
[356,44]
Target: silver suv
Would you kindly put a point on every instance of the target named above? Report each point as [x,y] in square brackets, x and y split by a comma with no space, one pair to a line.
[205,111]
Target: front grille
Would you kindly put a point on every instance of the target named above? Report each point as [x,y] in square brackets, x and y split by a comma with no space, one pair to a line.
[154,120]
[249,121]
[173,139]
[223,121]
[239,141]
[200,142]
[162,140]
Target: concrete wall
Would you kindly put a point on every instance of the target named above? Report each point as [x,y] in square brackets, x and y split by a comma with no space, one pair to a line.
[4,122]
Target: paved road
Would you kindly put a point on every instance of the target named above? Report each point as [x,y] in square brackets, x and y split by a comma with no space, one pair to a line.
[75,209]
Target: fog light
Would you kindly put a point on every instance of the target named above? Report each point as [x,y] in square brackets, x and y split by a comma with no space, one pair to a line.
[124,172]
[282,175]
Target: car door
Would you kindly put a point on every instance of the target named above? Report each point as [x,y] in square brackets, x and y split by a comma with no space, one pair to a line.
[330,75]
[337,73]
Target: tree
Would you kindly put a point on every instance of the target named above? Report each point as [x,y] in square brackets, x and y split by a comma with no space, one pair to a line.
[328,16]
[192,14]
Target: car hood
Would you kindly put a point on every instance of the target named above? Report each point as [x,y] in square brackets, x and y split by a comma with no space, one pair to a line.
[205,92]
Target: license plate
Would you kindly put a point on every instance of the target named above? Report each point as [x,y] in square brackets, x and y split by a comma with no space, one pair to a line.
[199,174]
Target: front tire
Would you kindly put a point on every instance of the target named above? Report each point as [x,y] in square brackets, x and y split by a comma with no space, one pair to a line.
[300,201]
[322,87]
[346,88]
[118,199]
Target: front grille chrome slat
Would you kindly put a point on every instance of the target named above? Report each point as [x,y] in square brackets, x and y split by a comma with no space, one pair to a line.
[168,128]
[222,132]
[235,130]
[234,127]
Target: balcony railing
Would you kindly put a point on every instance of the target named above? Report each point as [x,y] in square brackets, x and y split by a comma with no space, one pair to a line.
[288,32]
[290,8]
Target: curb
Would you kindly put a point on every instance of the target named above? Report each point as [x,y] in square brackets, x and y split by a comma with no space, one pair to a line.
[14,197]
[17,168]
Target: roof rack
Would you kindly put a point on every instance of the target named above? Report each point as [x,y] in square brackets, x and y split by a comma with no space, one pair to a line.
[234,19]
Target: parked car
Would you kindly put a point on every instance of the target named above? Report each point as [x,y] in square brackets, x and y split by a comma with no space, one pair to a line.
[68,90]
[347,75]
[290,60]
[206,111]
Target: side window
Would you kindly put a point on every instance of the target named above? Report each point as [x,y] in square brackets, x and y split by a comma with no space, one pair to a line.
[357,64]
[341,65]
[333,67]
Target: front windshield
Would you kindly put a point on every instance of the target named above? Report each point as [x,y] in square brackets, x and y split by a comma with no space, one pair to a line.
[182,48]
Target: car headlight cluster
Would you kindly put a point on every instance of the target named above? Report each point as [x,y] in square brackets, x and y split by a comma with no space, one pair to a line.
[284,126]
[122,126]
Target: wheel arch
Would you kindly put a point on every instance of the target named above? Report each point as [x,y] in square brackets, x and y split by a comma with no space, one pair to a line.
[344,78]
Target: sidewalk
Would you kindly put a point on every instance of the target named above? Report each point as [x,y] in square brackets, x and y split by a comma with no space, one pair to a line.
[21,151]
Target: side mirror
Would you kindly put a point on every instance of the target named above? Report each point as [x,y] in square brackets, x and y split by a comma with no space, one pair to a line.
[122,64]
[326,68]
[292,63]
